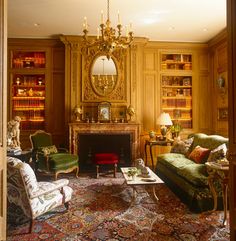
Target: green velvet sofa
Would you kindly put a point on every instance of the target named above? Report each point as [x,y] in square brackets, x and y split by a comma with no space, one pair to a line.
[187,179]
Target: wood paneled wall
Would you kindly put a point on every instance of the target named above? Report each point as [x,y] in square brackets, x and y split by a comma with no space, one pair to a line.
[218,54]
[151,82]
[144,77]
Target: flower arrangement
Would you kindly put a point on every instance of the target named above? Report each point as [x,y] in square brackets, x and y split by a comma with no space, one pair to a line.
[132,171]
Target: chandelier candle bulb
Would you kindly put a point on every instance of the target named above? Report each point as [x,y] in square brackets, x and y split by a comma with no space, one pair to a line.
[85,23]
[97,33]
[127,31]
[130,26]
[119,17]
[102,17]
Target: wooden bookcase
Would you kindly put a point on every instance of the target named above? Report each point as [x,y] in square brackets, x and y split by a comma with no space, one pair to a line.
[176,87]
[28,88]
[36,87]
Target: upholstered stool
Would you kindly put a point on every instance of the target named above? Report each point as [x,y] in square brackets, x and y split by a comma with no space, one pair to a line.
[106,159]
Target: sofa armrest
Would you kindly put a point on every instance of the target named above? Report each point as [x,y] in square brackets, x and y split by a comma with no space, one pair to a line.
[48,187]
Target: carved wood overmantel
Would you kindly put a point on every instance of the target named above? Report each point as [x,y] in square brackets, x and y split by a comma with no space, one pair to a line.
[79,86]
[132,129]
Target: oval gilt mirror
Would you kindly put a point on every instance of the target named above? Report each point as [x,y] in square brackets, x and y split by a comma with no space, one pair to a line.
[103,75]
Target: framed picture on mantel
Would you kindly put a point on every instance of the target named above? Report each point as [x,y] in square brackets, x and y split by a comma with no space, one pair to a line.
[104,112]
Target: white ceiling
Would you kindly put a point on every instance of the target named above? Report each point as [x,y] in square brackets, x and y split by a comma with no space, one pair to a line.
[161,20]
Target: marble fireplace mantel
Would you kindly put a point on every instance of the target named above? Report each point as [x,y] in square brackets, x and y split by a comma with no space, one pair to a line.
[132,129]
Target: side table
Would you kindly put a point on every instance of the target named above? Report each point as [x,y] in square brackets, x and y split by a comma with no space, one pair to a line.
[152,143]
[220,172]
[24,156]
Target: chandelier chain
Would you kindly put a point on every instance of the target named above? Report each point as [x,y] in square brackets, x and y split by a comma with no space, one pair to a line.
[108,10]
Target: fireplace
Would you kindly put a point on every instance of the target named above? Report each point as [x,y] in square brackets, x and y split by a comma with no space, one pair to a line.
[91,143]
[86,139]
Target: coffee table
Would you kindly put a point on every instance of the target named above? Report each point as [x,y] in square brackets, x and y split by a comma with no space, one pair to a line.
[151,180]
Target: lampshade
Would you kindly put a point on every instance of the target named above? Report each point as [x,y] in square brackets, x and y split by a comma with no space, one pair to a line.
[164,119]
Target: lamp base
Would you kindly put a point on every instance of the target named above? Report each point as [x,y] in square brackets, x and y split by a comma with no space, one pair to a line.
[163,131]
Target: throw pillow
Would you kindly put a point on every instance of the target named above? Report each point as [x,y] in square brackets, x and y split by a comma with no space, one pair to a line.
[199,154]
[181,146]
[47,150]
[218,153]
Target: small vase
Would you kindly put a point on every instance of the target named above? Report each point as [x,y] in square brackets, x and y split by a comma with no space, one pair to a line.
[152,134]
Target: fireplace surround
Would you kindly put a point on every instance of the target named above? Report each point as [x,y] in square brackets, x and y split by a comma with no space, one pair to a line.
[86,139]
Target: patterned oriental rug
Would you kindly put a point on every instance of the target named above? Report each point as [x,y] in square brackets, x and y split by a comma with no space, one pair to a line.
[100,210]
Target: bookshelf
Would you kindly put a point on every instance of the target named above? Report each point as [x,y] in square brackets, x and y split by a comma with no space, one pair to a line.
[176,98]
[28,88]
[171,61]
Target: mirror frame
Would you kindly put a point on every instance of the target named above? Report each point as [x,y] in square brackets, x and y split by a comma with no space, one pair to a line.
[120,92]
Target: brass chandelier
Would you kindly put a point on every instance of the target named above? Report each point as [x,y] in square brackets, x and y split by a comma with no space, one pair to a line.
[107,39]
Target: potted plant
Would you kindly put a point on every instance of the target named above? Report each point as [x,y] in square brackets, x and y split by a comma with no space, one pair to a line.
[175,129]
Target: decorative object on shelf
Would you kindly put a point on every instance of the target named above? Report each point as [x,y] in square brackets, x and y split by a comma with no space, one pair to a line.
[223,114]
[108,41]
[13,133]
[18,82]
[221,84]
[130,112]
[78,111]
[152,135]
[164,121]
[104,112]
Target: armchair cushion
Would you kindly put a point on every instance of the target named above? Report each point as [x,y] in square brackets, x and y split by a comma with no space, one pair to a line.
[47,150]
[62,161]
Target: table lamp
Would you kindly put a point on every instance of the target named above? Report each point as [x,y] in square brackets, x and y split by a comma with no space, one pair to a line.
[164,121]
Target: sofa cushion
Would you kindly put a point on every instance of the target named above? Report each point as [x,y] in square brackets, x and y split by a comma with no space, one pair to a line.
[181,146]
[195,174]
[199,154]
[218,153]
[174,161]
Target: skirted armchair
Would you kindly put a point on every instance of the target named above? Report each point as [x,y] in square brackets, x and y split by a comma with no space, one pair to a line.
[48,158]
[34,198]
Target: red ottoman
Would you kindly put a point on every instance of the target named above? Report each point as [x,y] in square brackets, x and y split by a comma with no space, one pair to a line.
[106,159]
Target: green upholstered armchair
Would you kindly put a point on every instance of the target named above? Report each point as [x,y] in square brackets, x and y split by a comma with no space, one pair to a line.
[48,158]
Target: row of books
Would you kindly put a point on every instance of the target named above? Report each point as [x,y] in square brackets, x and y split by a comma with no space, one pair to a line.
[176,103]
[29,103]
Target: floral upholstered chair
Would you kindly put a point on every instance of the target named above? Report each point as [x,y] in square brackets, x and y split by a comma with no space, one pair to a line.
[48,158]
[34,198]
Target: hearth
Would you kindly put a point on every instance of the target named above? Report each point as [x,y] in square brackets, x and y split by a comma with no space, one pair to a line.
[90,144]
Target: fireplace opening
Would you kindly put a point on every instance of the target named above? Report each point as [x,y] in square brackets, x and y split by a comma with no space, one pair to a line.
[91,143]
